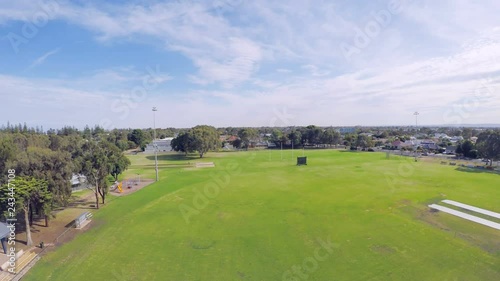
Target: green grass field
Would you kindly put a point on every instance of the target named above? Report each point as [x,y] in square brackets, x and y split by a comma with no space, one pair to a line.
[257,217]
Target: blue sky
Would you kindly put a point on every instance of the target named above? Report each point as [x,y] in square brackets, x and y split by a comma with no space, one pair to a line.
[249,63]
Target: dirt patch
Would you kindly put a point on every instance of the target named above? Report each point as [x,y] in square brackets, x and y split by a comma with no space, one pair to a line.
[132,187]
[484,238]
[382,249]
[202,244]
[60,226]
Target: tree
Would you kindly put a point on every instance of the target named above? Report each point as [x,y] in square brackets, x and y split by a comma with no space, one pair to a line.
[27,192]
[313,134]
[117,161]
[95,167]
[54,167]
[247,135]
[330,137]
[137,136]
[204,138]
[488,145]
[278,138]
[183,143]
[236,143]
[465,148]
[364,141]
[7,152]
[350,139]
[295,138]
[473,154]
[467,133]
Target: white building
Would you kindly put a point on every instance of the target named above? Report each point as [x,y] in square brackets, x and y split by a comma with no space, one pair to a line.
[163,145]
[78,182]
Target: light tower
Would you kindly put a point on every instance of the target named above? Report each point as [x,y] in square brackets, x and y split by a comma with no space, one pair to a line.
[416,130]
[154,144]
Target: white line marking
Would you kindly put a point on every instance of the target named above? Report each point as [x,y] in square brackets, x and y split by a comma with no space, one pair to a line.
[472,208]
[466,216]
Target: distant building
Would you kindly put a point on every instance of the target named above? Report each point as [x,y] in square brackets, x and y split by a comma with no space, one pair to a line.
[163,145]
[441,135]
[456,139]
[78,182]
[450,149]
[429,145]
[347,130]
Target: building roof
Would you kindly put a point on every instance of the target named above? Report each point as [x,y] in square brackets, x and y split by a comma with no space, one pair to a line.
[4,230]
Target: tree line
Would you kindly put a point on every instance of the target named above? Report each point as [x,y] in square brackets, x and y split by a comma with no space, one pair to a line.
[44,163]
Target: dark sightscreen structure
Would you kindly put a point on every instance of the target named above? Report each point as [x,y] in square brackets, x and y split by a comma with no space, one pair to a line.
[301,161]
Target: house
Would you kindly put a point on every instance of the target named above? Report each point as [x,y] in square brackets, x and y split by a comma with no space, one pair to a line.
[456,139]
[262,144]
[441,135]
[402,144]
[429,145]
[231,138]
[450,149]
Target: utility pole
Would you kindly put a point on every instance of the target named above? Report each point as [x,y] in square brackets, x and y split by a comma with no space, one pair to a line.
[154,144]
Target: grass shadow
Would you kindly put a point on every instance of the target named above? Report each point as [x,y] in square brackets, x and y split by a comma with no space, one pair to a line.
[477,170]
[174,157]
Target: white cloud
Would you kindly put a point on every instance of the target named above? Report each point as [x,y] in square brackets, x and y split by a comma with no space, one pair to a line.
[44,57]
[431,58]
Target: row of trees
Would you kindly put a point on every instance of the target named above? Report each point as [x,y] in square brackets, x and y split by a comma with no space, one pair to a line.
[487,146]
[310,135]
[45,163]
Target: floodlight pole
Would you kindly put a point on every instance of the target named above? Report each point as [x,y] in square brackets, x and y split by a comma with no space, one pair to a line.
[154,144]
[416,130]
[281,143]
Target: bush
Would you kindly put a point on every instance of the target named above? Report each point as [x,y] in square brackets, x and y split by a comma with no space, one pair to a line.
[472,154]
[131,145]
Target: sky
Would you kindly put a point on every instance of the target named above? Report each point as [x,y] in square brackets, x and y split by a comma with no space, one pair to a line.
[249,63]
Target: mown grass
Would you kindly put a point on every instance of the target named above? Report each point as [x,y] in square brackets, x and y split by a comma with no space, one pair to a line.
[265,215]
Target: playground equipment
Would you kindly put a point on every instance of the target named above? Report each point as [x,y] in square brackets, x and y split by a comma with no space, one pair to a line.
[116,186]
[131,182]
